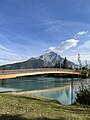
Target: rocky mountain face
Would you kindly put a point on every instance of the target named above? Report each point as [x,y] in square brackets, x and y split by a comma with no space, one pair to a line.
[50,59]
[45,60]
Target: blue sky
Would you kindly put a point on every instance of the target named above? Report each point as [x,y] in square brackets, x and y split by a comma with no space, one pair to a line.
[29,28]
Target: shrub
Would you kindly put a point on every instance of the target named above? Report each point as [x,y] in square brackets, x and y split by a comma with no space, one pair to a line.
[83,94]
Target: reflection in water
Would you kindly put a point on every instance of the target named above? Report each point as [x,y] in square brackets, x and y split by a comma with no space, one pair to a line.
[34,83]
[64,94]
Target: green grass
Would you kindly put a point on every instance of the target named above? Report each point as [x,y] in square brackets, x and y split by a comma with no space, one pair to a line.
[27,107]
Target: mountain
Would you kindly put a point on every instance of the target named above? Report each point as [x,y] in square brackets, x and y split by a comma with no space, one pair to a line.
[50,59]
[45,60]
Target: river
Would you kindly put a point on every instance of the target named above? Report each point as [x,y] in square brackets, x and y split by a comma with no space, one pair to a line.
[61,89]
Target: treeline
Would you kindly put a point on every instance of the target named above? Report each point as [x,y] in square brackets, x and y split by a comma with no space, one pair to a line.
[64,65]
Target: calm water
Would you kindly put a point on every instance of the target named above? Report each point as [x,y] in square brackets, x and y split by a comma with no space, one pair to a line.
[56,88]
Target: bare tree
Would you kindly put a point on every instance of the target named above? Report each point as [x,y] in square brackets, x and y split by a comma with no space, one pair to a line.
[79,60]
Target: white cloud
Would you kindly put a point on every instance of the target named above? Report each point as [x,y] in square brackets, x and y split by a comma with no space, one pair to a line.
[52,48]
[85,47]
[8,56]
[12,59]
[83,57]
[7,61]
[65,45]
[84,50]
[59,26]
[82,32]
[4,48]
[79,34]
[6,52]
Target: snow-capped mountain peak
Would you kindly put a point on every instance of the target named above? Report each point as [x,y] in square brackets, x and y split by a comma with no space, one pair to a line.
[50,58]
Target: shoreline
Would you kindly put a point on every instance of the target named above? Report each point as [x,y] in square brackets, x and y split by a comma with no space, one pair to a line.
[37,91]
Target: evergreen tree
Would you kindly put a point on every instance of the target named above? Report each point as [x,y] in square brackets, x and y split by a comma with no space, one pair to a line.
[65,63]
[57,64]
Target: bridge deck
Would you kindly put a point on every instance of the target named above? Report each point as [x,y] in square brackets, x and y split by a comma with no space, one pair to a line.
[17,73]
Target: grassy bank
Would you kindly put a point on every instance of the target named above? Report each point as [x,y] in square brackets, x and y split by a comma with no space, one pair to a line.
[26,107]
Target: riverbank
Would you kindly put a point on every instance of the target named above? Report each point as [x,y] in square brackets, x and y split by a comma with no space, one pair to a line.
[36,91]
[27,107]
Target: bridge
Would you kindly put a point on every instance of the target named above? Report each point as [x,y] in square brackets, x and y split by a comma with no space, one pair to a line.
[4,74]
